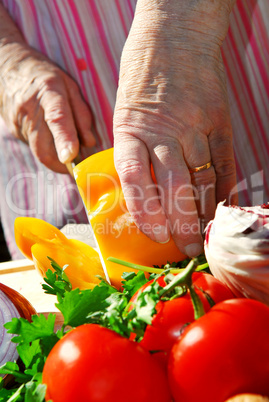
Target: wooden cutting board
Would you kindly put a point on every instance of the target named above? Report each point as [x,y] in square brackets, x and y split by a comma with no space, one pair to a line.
[22,276]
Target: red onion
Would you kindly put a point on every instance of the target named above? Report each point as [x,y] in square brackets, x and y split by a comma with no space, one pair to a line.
[8,350]
[12,304]
[24,307]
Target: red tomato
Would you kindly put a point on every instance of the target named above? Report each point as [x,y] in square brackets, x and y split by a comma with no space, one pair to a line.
[92,363]
[223,353]
[173,315]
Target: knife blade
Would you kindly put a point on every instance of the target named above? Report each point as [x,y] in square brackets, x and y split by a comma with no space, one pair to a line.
[70,166]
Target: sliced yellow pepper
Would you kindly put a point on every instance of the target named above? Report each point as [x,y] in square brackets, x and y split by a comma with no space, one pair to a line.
[115,232]
[82,261]
[38,240]
[29,231]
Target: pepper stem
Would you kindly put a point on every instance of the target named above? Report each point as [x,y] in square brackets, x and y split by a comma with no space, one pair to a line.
[152,270]
[143,268]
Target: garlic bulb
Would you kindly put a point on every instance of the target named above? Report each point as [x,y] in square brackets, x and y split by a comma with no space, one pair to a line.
[237,249]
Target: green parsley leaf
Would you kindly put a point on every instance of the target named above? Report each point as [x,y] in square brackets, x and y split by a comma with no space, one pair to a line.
[114,316]
[28,351]
[132,282]
[13,369]
[77,304]
[13,395]
[57,281]
[143,309]
[35,390]
[40,327]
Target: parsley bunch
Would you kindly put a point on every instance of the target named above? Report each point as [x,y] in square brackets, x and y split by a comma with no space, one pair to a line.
[103,305]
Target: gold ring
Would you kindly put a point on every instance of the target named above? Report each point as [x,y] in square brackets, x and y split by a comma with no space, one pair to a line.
[199,168]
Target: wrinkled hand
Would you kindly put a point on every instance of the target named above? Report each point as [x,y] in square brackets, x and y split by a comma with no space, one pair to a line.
[172,113]
[43,106]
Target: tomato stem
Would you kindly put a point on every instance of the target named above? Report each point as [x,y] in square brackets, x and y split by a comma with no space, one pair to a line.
[198,307]
[185,278]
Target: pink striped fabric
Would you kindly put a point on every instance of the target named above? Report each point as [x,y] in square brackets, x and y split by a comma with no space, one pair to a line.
[86,38]
[246,57]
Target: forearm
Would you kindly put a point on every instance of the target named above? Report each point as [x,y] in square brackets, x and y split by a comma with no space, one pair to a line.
[176,9]
[11,39]
[201,20]
[14,51]
[9,33]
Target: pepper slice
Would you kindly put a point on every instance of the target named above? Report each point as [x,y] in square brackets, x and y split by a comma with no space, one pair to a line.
[82,262]
[29,231]
[38,240]
[115,231]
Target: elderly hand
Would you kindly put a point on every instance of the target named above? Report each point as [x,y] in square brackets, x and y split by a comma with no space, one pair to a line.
[171,115]
[40,103]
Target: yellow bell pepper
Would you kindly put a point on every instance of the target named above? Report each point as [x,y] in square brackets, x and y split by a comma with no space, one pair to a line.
[29,231]
[115,232]
[38,240]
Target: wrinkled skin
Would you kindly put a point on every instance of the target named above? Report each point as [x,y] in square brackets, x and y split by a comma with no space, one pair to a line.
[172,112]
[39,102]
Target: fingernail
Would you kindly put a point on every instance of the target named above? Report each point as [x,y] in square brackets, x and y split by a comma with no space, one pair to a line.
[66,155]
[193,249]
[161,234]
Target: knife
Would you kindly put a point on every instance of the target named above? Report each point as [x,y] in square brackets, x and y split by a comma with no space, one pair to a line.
[70,166]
